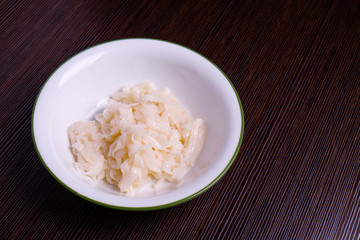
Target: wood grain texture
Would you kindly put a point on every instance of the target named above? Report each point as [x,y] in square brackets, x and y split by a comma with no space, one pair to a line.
[296,67]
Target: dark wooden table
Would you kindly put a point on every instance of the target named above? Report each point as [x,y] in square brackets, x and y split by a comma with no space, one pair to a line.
[296,67]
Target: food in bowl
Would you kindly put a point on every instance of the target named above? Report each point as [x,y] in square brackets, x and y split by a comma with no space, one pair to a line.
[81,87]
[145,135]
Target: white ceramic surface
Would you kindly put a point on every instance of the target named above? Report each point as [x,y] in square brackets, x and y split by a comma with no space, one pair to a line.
[80,87]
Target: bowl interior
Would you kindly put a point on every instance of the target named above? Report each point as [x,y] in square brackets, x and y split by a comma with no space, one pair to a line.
[81,86]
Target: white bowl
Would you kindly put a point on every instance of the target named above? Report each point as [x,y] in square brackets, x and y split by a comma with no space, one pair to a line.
[81,85]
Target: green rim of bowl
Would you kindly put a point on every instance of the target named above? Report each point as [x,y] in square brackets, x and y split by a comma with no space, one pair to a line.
[171,204]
